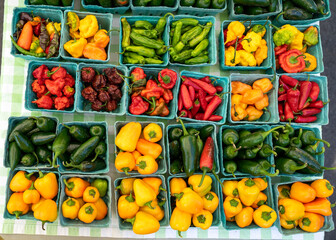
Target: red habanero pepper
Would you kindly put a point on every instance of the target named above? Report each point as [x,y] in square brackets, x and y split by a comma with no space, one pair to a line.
[289,116]
[212,106]
[208,98]
[305,89]
[310,112]
[195,108]
[289,81]
[69,80]
[137,74]
[180,103]
[167,95]
[282,97]
[314,92]
[192,93]
[206,79]
[167,78]
[61,103]
[281,108]
[188,83]
[55,87]
[41,72]
[219,89]
[203,101]
[57,72]
[207,87]
[318,104]
[280,49]
[293,96]
[301,119]
[37,88]
[43,93]
[215,118]
[45,102]
[152,90]
[292,61]
[138,106]
[68,91]
[187,103]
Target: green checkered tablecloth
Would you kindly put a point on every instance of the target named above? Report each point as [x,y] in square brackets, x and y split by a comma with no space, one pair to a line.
[12,87]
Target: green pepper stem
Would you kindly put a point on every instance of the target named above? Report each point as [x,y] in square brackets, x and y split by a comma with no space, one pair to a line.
[130,198]
[130,220]
[205,170]
[321,140]
[264,172]
[296,168]
[17,214]
[282,148]
[94,159]
[179,233]
[185,132]
[70,165]
[125,170]
[162,189]
[37,159]
[322,151]
[41,175]
[217,178]
[148,204]
[179,195]
[328,168]
[29,175]
[235,51]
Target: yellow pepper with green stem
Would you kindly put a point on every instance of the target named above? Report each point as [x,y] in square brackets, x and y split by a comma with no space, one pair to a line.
[127,207]
[47,185]
[248,191]
[232,206]
[264,216]
[194,182]
[16,205]
[177,185]
[202,219]
[146,165]
[70,208]
[251,42]
[232,57]
[144,223]
[290,209]
[189,201]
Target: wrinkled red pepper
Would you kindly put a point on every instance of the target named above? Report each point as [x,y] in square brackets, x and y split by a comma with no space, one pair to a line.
[138,106]
[45,102]
[55,87]
[137,74]
[167,78]
[280,49]
[57,72]
[41,72]
[69,80]
[68,91]
[293,96]
[152,90]
[62,103]
[37,88]
[167,95]
[292,61]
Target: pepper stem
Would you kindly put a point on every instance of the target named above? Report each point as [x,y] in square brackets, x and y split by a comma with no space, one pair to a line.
[328,168]
[70,165]
[94,159]
[185,132]
[235,51]
[31,186]
[264,172]
[43,222]
[148,204]
[217,178]
[17,214]
[130,198]
[51,73]
[296,168]
[205,170]
[322,151]
[162,189]
[130,220]
[321,140]
[29,175]
[125,170]
[179,233]
[179,195]
[41,175]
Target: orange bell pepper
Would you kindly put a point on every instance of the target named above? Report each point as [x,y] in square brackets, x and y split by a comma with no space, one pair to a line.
[31,195]
[47,185]
[75,186]
[302,192]
[91,195]
[16,205]
[323,188]
[311,222]
[21,181]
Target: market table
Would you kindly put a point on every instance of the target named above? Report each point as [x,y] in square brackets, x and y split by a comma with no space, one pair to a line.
[12,99]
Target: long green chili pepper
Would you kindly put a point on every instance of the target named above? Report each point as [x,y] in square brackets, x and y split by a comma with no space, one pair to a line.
[138,57]
[143,51]
[197,60]
[147,33]
[191,34]
[160,25]
[60,144]
[202,36]
[145,41]
[200,47]
[177,34]
[143,24]
[126,41]
[153,61]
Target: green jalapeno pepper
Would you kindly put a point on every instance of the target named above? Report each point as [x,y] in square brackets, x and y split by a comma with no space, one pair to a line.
[43,155]
[230,167]
[87,166]
[14,155]
[311,149]
[309,137]
[176,166]
[60,144]
[100,150]
[229,152]
[266,151]
[218,4]
[288,166]
[45,124]
[97,130]
[28,160]
[24,126]
[254,168]
[203,3]
[81,134]
[174,149]
[230,137]
[206,132]
[265,164]
[296,141]
[283,140]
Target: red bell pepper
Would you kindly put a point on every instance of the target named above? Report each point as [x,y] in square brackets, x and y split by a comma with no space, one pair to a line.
[314,92]
[212,106]
[289,81]
[186,99]
[138,106]
[195,108]
[201,97]
[293,96]
[289,116]
[61,103]
[167,78]
[57,72]
[68,91]
[305,89]
[192,93]
[45,102]
[292,61]
[167,95]
[55,87]
[301,119]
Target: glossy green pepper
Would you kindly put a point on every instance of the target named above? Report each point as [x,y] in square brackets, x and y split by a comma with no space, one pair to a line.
[24,126]
[203,3]
[81,134]
[60,144]
[218,4]
[14,155]
[230,137]
[266,151]
[187,3]
[28,160]
[174,149]
[254,168]
[311,149]
[43,155]
[176,166]
[97,130]
[309,137]
[101,185]
[265,164]
[230,167]
[206,132]
[100,150]
[229,152]
[45,124]
[296,141]
[238,9]
[42,138]
[288,166]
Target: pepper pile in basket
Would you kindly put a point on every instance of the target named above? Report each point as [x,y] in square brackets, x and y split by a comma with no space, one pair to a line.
[143,44]
[148,3]
[151,97]
[298,100]
[245,50]
[108,3]
[189,41]
[208,4]
[64,3]
[305,204]
[198,99]
[303,10]
[103,91]
[54,88]
[36,36]
[254,7]
[291,47]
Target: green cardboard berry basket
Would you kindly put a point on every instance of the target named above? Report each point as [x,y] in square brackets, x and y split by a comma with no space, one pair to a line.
[101,9]
[153,10]
[196,11]
[61,7]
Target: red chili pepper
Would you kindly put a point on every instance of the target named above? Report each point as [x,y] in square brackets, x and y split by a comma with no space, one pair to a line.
[37,88]
[207,87]
[167,78]
[282,97]
[282,118]
[138,106]
[180,103]
[201,97]
[307,104]
[305,89]
[219,89]
[284,85]
[61,103]
[192,93]
[281,90]
[196,107]
[280,49]
[292,61]
[45,102]
[215,118]
[40,72]
[199,116]
[187,103]
[57,72]
[301,119]
[55,87]
[207,157]
[314,92]
[68,91]
[167,95]
[206,79]
[310,112]
[188,83]
[281,108]
[289,116]
[212,106]
[318,104]
[208,98]
[185,113]
[37,29]
[289,81]
[293,96]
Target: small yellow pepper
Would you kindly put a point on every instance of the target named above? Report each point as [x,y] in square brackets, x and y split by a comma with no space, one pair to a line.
[87,213]
[232,57]
[236,100]
[311,62]
[31,195]
[264,84]
[261,183]
[238,87]
[323,188]
[35,205]
[128,136]
[261,53]
[75,187]
[237,28]
[245,217]
[46,212]
[75,47]
[194,182]
[75,34]
[253,113]
[288,224]
[284,191]
[251,42]
[101,38]
[152,132]
[146,165]
[148,148]
[247,59]
[290,209]
[311,222]
[88,26]
[124,162]
[101,209]
[155,183]
[156,211]
[73,21]
[80,201]
[127,207]
[144,194]
[252,96]
[259,29]
[230,219]
[302,192]
[297,42]
[47,185]
[50,27]
[91,195]
[320,206]
[35,46]
[264,216]
[238,113]
[177,185]
[180,221]
[263,103]
[202,219]
[189,201]
[210,201]
[261,200]
[91,51]
[16,205]
[230,188]
[232,206]
[144,223]
[248,191]
[21,181]
[126,186]
[70,208]
[136,154]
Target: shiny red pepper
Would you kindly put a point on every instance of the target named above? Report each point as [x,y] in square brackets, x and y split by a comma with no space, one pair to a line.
[192,93]
[152,90]
[37,29]
[188,83]
[289,81]
[305,89]
[167,95]
[203,101]
[282,97]
[55,87]
[289,116]
[45,102]
[318,104]
[207,87]
[301,119]
[280,49]
[185,113]
[206,79]
[208,98]
[219,89]
[281,108]
[138,106]
[314,92]
[167,78]
[195,108]
[212,106]
[207,158]
[215,118]
[310,112]
[180,103]
[184,92]
[62,103]
[293,96]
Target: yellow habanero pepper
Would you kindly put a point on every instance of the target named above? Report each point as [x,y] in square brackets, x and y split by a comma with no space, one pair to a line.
[232,206]
[261,183]
[74,34]
[230,188]
[290,209]
[46,212]
[311,222]
[323,188]
[101,209]
[34,206]
[238,113]
[148,148]
[177,185]
[238,87]
[288,224]
[73,21]
[251,42]
[144,223]
[126,186]
[235,100]
[152,132]
[284,191]
[16,205]
[210,201]
[202,219]
[264,84]
[146,165]
[247,59]
[263,103]
[156,211]
[261,53]
[297,42]
[88,26]
[75,187]
[253,113]
[189,201]
[155,183]
[47,185]
[128,136]
[127,207]
[124,162]
[87,213]
[264,216]
[75,47]
[261,200]
[252,96]
[248,191]
[101,38]
[144,194]
[245,217]
[232,57]
[70,208]
[50,27]
[194,182]
[91,51]
[21,181]
[302,192]
[31,195]
[311,62]
[180,221]
[237,28]
[91,195]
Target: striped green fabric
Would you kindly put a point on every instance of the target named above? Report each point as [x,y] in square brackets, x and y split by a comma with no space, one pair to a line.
[12,89]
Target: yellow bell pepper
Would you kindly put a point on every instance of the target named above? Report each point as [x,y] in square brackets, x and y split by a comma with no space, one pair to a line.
[152,132]
[128,136]
[264,216]
[297,42]
[311,62]
[126,186]
[50,28]
[261,53]
[284,191]
[16,205]
[245,217]
[124,162]
[75,47]
[91,51]
[31,195]
[263,103]
[238,113]
[189,201]
[248,191]
[180,221]
[252,96]
[34,206]
[47,185]
[155,183]
[21,181]
[232,206]
[91,195]
[144,223]
[88,26]
[232,57]
[290,209]
[230,188]
[148,148]
[127,207]
[311,222]
[236,100]
[261,183]
[194,182]
[251,42]
[237,28]
[177,185]
[46,212]
[75,35]
[146,165]
[70,208]
[261,200]
[73,21]
[144,194]
[156,211]
[87,213]
[210,201]
[288,224]
[101,209]
[75,187]
[101,38]
[323,188]
[302,192]
[80,201]
[247,59]
[253,113]
[202,219]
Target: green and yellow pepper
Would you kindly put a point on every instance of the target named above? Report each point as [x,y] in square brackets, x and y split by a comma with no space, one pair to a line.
[73,21]
[264,216]
[202,219]
[251,42]
[288,224]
